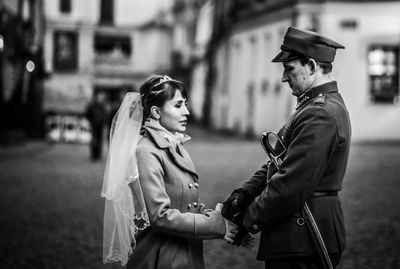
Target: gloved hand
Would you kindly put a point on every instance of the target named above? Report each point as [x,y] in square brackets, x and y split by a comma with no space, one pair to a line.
[235,203]
[241,231]
[248,241]
[240,235]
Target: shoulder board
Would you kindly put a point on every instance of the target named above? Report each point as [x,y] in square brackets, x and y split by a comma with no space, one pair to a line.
[320,99]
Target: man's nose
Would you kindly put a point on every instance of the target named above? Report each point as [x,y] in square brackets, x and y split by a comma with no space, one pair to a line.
[284,77]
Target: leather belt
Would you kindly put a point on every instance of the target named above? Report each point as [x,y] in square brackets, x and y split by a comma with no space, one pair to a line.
[324,193]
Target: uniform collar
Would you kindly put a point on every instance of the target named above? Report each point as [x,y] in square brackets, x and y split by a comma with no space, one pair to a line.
[328,87]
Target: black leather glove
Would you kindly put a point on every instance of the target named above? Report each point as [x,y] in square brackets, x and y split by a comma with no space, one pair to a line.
[242,232]
[235,203]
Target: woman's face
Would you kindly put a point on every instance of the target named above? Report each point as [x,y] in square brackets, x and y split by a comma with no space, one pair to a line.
[173,114]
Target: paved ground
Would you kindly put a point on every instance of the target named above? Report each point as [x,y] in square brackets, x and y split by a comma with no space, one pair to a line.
[52,210]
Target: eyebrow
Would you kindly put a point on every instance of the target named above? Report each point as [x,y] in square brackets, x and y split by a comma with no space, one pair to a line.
[180,101]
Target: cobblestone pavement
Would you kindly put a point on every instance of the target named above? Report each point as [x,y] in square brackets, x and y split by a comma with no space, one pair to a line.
[52,209]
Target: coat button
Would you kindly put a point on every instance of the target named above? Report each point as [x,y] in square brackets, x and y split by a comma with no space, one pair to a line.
[189,206]
[255,226]
[196,185]
[190,185]
[195,204]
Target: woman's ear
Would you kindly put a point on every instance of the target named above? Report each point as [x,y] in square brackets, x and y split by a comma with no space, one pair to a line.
[155,112]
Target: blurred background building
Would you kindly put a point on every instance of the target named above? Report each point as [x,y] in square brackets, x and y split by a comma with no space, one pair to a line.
[56,54]
[96,47]
[236,87]
[21,68]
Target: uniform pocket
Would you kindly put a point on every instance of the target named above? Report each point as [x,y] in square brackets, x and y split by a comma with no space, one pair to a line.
[290,236]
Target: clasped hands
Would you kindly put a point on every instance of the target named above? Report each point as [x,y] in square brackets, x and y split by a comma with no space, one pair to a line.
[232,211]
[236,234]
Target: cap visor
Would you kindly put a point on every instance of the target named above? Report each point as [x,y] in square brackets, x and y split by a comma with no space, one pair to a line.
[284,56]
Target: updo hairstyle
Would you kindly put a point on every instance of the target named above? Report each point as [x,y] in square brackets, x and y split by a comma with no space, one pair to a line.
[157,90]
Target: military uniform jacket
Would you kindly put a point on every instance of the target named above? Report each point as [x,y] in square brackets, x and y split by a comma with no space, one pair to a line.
[317,138]
[171,190]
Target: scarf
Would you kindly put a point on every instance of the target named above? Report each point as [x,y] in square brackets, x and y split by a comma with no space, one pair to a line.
[173,139]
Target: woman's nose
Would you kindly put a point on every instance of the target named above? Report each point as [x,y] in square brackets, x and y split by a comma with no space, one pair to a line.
[186,111]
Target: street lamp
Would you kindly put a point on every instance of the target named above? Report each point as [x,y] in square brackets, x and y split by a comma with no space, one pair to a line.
[1,43]
[30,66]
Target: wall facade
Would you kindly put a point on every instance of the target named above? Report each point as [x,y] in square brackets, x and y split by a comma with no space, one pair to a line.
[249,96]
[84,53]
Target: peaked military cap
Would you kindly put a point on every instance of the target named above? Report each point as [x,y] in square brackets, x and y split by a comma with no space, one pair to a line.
[311,44]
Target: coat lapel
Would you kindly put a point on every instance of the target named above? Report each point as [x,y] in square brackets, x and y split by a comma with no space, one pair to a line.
[183,161]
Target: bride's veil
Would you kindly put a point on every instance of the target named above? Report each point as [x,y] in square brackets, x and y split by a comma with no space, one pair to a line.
[125,211]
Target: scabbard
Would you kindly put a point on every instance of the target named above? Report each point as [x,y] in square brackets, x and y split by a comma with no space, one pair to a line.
[316,236]
[275,154]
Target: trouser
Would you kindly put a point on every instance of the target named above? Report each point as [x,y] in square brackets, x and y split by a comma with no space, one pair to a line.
[96,145]
[307,262]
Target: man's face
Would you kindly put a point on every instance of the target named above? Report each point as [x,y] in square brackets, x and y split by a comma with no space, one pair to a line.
[297,75]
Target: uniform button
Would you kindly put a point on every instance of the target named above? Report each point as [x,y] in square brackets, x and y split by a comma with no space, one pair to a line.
[255,226]
[195,204]
[300,221]
[189,206]
[190,185]
[196,185]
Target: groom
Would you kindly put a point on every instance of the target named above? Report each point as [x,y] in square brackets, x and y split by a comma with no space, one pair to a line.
[317,138]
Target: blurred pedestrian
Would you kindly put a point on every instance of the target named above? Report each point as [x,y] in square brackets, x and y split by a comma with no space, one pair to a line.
[96,114]
[317,142]
[153,217]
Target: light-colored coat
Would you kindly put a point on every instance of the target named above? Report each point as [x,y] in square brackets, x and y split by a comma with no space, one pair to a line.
[171,191]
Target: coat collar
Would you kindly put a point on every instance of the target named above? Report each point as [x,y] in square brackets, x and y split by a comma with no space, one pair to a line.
[314,92]
[183,161]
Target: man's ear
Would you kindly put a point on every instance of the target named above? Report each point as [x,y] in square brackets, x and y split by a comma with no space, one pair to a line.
[313,66]
[155,112]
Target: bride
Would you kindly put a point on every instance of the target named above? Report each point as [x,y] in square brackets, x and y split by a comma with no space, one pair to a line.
[153,217]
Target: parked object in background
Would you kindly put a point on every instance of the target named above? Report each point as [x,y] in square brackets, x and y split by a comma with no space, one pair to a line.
[68,128]
[84,134]
[53,128]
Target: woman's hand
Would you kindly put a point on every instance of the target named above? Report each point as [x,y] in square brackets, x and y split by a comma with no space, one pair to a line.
[231,228]
[202,208]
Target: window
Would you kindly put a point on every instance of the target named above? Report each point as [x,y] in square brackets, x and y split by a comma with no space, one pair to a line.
[65,6]
[383,71]
[107,12]
[65,54]
[106,44]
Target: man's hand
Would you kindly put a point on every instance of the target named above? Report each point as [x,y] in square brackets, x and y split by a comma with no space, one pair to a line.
[248,241]
[235,203]
[241,231]
[240,235]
